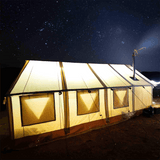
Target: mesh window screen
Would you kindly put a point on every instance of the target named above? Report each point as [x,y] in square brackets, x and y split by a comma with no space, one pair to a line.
[37,109]
[120,98]
[87,102]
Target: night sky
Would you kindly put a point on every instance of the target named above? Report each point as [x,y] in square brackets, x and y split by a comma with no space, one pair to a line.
[99,31]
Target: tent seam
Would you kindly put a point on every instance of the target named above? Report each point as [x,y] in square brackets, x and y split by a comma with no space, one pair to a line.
[28,79]
[121,75]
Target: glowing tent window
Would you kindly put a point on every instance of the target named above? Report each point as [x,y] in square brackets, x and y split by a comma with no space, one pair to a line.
[87,102]
[37,109]
[120,98]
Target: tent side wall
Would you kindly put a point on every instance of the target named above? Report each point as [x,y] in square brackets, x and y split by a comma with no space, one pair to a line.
[87,119]
[21,112]
[78,123]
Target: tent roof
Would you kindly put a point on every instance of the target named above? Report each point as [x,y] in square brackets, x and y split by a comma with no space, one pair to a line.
[51,76]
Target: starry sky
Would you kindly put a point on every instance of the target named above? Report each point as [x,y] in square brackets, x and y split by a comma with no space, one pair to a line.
[98,31]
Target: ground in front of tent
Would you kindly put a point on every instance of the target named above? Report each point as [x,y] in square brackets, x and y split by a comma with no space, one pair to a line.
[136,138]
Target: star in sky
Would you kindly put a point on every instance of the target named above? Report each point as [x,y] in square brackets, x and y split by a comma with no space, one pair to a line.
[81,31]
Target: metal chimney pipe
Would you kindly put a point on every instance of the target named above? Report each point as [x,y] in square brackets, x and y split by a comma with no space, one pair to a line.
[133,65]
[135,52]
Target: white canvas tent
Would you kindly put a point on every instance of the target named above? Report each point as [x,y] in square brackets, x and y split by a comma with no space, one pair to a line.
[54,99]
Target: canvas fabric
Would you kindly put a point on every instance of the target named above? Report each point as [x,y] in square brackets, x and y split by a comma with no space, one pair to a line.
[37,109]
[120,98]
[87,102]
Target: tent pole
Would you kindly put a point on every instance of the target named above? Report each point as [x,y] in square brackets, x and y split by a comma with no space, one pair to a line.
[65,99]
[10,117]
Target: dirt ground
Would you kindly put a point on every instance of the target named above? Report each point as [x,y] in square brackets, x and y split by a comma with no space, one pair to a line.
[136,138]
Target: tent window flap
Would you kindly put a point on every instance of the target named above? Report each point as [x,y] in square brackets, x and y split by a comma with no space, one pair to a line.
[120,98]
[37,109]
[88,102]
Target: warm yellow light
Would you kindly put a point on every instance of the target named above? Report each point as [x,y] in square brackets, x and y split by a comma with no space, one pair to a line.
[78,75]
[88,99]
[37,105]
[121,95]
